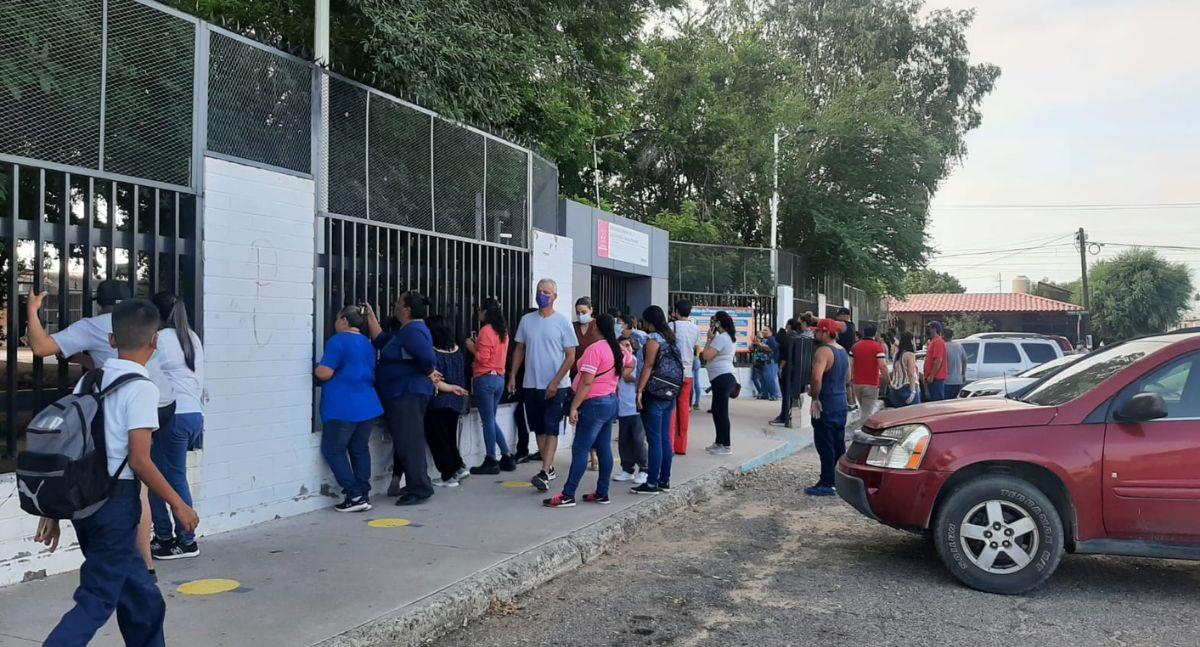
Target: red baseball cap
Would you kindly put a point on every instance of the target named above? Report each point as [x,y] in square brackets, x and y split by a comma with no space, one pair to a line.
[829,326]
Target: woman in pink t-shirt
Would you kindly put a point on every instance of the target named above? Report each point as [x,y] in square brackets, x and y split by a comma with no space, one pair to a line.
[593,411]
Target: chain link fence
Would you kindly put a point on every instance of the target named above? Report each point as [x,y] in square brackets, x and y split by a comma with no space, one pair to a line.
[98,85]
[259,104]
[720,269]
[115,86]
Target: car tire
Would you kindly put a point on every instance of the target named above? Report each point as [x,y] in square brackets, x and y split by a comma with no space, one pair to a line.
[999,534]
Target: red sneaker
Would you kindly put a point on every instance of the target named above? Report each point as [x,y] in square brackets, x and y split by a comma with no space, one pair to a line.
[560,501]
[596,498]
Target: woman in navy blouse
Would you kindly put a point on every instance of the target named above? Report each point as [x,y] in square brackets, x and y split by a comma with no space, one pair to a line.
[405,379]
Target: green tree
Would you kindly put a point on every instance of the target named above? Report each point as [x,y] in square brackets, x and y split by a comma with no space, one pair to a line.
[873,98]
[928,281]
[968,324]
[1138,293]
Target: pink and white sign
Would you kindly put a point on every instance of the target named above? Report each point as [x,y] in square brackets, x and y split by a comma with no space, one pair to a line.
[620,243]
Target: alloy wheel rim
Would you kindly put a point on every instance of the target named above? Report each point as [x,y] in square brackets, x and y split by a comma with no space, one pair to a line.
[999,537]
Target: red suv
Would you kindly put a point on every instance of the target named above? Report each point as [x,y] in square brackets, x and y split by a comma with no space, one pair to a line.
[1102,457]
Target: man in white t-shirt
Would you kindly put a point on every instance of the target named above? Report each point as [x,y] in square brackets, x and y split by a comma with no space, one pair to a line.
[85,342]
[546,348]
[687,338]
[114,576]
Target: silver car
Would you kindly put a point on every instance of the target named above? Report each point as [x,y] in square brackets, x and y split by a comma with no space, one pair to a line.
[999,387]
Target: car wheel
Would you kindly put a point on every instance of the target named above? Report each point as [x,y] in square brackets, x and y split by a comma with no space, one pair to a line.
[999,534]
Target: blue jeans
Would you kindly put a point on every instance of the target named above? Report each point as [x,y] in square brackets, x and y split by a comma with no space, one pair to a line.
[486,393]
[771,380]
[346,447]
[169,453]
[695,381]
[937,390]
[758,379]
[593,431]
[899,397]
[829,439]
[950,391]
[113,576]
[656,419]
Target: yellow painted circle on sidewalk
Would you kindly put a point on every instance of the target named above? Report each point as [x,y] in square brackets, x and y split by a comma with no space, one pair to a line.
[208,587]
[515,484]
[393,522]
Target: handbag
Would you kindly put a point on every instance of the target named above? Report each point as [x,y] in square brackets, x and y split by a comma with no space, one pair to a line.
[666,379]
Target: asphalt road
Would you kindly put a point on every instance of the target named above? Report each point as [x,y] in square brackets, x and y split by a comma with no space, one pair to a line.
[763,565]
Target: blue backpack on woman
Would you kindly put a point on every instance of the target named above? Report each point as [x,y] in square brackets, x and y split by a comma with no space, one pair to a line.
[666,378]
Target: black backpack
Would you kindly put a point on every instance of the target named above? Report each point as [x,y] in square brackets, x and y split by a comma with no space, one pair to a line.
[666,376]
[63,472]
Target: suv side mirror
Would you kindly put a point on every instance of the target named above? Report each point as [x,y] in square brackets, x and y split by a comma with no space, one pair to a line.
[1142,407]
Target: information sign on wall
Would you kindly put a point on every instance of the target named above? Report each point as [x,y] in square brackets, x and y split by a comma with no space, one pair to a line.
[743,321]
[620,243]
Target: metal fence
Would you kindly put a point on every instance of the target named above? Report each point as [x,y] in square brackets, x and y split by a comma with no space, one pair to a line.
[116,103]
[62,233]
[373,263]
[720,269]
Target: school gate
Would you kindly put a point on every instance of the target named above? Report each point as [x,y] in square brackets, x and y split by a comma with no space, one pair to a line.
[142,144]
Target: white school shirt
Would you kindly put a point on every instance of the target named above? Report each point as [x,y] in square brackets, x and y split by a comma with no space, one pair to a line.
[188,385]
[133,406]
[687,337]
[90,335]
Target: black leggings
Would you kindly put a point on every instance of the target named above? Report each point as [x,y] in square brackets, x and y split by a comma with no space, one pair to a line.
[441,433]
[722,387]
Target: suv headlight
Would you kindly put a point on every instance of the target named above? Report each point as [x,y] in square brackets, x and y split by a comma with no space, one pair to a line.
[904,452]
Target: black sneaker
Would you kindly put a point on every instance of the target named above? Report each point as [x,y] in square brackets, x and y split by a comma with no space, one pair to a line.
[409,499]
[559,501]
[645,488]
[521,457]
[488,466]
[157,544]
[357,504]
[541,482]
[507,464]
[551,475]
[172,549]
[665,486]
[602,499]
[536,457]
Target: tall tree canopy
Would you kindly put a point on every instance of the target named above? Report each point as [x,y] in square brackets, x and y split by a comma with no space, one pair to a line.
[927,281]
[872,97]
[1138,293]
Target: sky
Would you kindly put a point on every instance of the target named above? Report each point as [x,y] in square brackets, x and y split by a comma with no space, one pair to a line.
[1098,103]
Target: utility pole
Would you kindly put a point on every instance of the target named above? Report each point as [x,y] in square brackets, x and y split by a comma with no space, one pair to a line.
[321,54]
[596,171]
[775,195]
[1085,318]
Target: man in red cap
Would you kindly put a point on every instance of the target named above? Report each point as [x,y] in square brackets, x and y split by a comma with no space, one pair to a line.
[831,367]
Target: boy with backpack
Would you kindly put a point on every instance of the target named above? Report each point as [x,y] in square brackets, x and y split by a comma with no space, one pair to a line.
[122,403]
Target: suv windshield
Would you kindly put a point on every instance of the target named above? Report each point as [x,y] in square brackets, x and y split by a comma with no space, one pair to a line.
[1042,370]
[1082,376]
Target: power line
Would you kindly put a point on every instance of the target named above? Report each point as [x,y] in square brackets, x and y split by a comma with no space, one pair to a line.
[1178,248]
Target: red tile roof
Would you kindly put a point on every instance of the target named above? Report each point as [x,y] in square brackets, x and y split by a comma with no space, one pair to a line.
[954,303]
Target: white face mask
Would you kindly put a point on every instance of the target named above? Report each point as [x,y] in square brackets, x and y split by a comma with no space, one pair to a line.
[585,318]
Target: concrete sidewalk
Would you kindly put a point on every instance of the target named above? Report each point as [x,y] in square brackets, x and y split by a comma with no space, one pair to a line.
[311,577]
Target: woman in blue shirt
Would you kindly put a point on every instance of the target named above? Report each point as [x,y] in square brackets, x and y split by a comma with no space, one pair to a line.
[405,380]
[441,420]
[349,407]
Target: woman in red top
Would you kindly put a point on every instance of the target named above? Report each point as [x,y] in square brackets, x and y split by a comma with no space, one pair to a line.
[490,348]
[592,412]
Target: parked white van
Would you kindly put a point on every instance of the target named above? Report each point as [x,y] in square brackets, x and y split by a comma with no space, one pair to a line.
[997,354]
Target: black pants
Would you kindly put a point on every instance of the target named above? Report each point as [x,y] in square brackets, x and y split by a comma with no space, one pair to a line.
[722,387]
[441,433]
[522,427]
[406,423]
[785,405]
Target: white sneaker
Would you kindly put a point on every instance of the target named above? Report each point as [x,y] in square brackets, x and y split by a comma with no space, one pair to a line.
[713,448]
[640,478]
[462,474]
[621,476]
[450,482]
[722,450]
